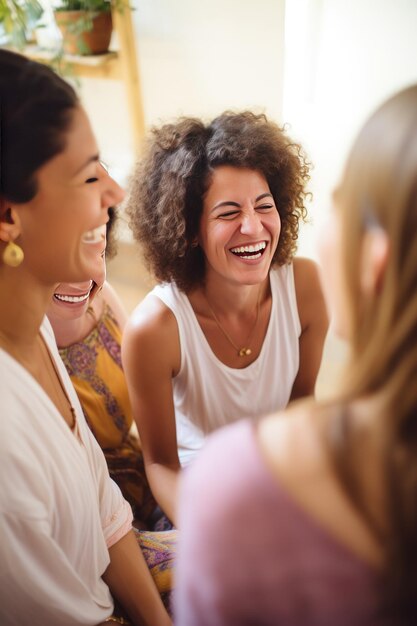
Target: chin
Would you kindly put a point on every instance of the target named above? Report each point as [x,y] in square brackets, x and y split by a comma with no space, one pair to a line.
[68,312]
[254,277]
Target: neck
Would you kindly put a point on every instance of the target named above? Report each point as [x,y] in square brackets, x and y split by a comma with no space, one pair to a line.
[234,298]
[22,309]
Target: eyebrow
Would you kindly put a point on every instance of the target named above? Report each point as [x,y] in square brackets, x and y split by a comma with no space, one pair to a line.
[236,204]
[92,159]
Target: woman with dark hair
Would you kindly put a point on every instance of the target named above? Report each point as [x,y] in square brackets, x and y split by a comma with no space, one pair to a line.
[67,544]
[237,328]
[330,534]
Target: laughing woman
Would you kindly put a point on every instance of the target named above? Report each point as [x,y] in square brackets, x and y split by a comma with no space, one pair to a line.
[236,328]
[66,541]
[88,320]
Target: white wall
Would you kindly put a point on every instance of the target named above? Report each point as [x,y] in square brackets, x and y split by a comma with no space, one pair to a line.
[195,58]
[343,58]
[199,58]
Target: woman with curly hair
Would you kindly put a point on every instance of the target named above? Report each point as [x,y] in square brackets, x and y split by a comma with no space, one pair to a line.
[236,328]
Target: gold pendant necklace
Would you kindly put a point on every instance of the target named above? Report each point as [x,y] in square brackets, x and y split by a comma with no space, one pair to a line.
[244,350]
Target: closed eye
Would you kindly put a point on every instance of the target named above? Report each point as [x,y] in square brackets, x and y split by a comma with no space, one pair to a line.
[228,216]
[264,207]
[94,179]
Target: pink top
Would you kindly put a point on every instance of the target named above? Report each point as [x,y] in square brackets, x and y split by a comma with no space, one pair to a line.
[250,555]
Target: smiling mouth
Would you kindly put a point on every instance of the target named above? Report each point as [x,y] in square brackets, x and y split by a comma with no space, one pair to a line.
[253,251]
[72,299]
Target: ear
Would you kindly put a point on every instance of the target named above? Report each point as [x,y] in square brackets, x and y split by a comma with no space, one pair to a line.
[375,254]
[9,222]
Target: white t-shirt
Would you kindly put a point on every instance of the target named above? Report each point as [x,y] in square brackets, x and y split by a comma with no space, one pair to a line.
[207,393]
[59,509]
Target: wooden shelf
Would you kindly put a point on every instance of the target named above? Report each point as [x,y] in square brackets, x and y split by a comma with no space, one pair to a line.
[93,66]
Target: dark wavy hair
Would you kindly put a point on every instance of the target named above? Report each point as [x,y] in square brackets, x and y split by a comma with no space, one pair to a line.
[166,192]
[35,113]
[111,233]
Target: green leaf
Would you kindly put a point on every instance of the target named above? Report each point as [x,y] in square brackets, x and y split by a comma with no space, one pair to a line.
[18,17]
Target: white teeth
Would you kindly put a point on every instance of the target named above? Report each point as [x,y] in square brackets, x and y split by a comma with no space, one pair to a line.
[95,236]
[74,299]
[257,247]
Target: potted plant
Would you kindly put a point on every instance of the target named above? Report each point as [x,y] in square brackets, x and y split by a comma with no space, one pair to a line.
[86,25]
[18,18]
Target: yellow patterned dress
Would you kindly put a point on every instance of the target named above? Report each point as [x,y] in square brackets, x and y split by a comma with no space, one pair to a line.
[95,367]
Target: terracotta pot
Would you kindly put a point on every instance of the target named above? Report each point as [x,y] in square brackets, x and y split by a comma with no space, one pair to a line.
[95,41]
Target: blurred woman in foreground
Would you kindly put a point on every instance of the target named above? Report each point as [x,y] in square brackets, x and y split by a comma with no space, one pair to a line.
[329,532]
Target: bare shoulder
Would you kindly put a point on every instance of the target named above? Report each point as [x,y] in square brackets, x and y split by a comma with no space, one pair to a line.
[293,449]
[310,299]
[112,299]
[306,277]
[151,316]
[152,330]
[289,442]
[303,265]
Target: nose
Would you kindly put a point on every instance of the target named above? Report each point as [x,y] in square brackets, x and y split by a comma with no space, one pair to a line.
[112,193]
[251,223]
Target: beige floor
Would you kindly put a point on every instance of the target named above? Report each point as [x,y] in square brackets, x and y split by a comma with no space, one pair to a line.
[132,282]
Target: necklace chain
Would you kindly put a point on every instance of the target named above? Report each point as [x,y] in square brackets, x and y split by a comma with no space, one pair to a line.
[244,350]
[56,378]
[48,363]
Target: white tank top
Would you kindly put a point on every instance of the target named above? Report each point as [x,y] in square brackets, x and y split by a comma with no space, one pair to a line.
[207,393]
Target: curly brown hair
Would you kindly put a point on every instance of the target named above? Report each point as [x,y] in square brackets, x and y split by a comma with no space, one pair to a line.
[166,192]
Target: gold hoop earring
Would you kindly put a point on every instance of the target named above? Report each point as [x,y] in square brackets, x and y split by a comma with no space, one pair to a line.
[13,255]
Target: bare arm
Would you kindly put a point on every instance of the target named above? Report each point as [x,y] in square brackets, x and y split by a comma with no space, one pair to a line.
[314,324]
[130,581]
[151,357]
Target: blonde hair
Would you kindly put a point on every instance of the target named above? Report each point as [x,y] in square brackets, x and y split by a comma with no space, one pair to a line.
[379,190]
